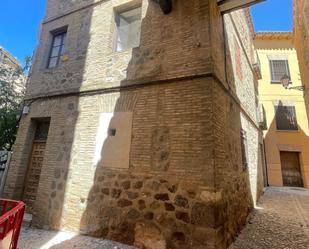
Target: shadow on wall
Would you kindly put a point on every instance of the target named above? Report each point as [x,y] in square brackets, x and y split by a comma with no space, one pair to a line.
[67,156]
[153,193]
[64,114]
[186,213]
[234,159]
[286,136]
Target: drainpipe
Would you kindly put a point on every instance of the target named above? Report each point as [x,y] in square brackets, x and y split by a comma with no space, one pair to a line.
[265,163]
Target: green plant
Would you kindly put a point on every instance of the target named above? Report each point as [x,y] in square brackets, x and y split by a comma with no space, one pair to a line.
[12,90]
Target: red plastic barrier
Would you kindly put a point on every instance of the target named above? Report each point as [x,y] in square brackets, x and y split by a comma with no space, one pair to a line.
[12,214]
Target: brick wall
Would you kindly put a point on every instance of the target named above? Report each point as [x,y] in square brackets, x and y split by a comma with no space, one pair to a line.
[235,110]
[89,45]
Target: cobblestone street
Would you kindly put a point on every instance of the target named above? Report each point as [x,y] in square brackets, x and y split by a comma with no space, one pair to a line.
[281,221]
[40,239]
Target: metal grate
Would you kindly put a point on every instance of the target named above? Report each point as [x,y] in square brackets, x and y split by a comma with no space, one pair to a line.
[278,69]
[286,118]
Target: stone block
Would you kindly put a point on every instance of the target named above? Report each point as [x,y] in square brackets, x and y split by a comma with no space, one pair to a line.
[148,236]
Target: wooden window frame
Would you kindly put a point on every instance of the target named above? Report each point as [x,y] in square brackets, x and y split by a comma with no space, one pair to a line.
[55,33]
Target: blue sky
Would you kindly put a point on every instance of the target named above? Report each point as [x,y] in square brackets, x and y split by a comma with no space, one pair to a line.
[19,25]
[20,20]
[273,15]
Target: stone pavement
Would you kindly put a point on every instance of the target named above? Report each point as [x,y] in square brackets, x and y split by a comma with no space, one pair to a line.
[40,239]
[281,221]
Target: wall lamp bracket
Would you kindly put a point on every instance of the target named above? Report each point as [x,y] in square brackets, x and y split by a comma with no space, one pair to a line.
[166,5]
[299,88]
[286,80]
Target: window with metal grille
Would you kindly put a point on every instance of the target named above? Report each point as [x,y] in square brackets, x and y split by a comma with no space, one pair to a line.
[286,118]
[128,28]
[278,69]
[57,48]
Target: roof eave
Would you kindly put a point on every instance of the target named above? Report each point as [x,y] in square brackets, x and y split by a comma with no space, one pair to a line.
[231,5]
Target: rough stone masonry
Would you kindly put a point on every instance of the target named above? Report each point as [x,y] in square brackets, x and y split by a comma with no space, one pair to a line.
[163,135]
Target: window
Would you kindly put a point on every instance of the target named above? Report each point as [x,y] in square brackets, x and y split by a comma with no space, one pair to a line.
[286,117]
[244,148]
[57,49]
[42,129]
[278,69]
[128,28]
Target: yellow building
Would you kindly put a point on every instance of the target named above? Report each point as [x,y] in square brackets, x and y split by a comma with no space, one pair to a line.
[285,120]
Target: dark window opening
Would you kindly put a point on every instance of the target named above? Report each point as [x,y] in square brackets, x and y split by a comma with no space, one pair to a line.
[41,131]
[286,117]
[112,132]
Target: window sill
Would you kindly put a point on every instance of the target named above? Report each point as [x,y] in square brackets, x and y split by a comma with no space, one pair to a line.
[48,70]
[279,82]
[288,131]
[51,69]
[125,50]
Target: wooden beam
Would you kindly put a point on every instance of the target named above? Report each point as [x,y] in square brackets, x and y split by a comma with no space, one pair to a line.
[230,5]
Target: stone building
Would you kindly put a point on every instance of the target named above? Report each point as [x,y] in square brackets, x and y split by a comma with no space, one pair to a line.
[10,71]
[8,59]
[286,122]
[139,117]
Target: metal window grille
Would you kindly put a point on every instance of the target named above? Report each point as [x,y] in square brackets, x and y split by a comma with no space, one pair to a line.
[57,49]
[278,69]
[286,118]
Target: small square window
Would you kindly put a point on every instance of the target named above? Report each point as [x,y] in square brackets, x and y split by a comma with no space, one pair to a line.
[57,49]
[128,29]
[112,132]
